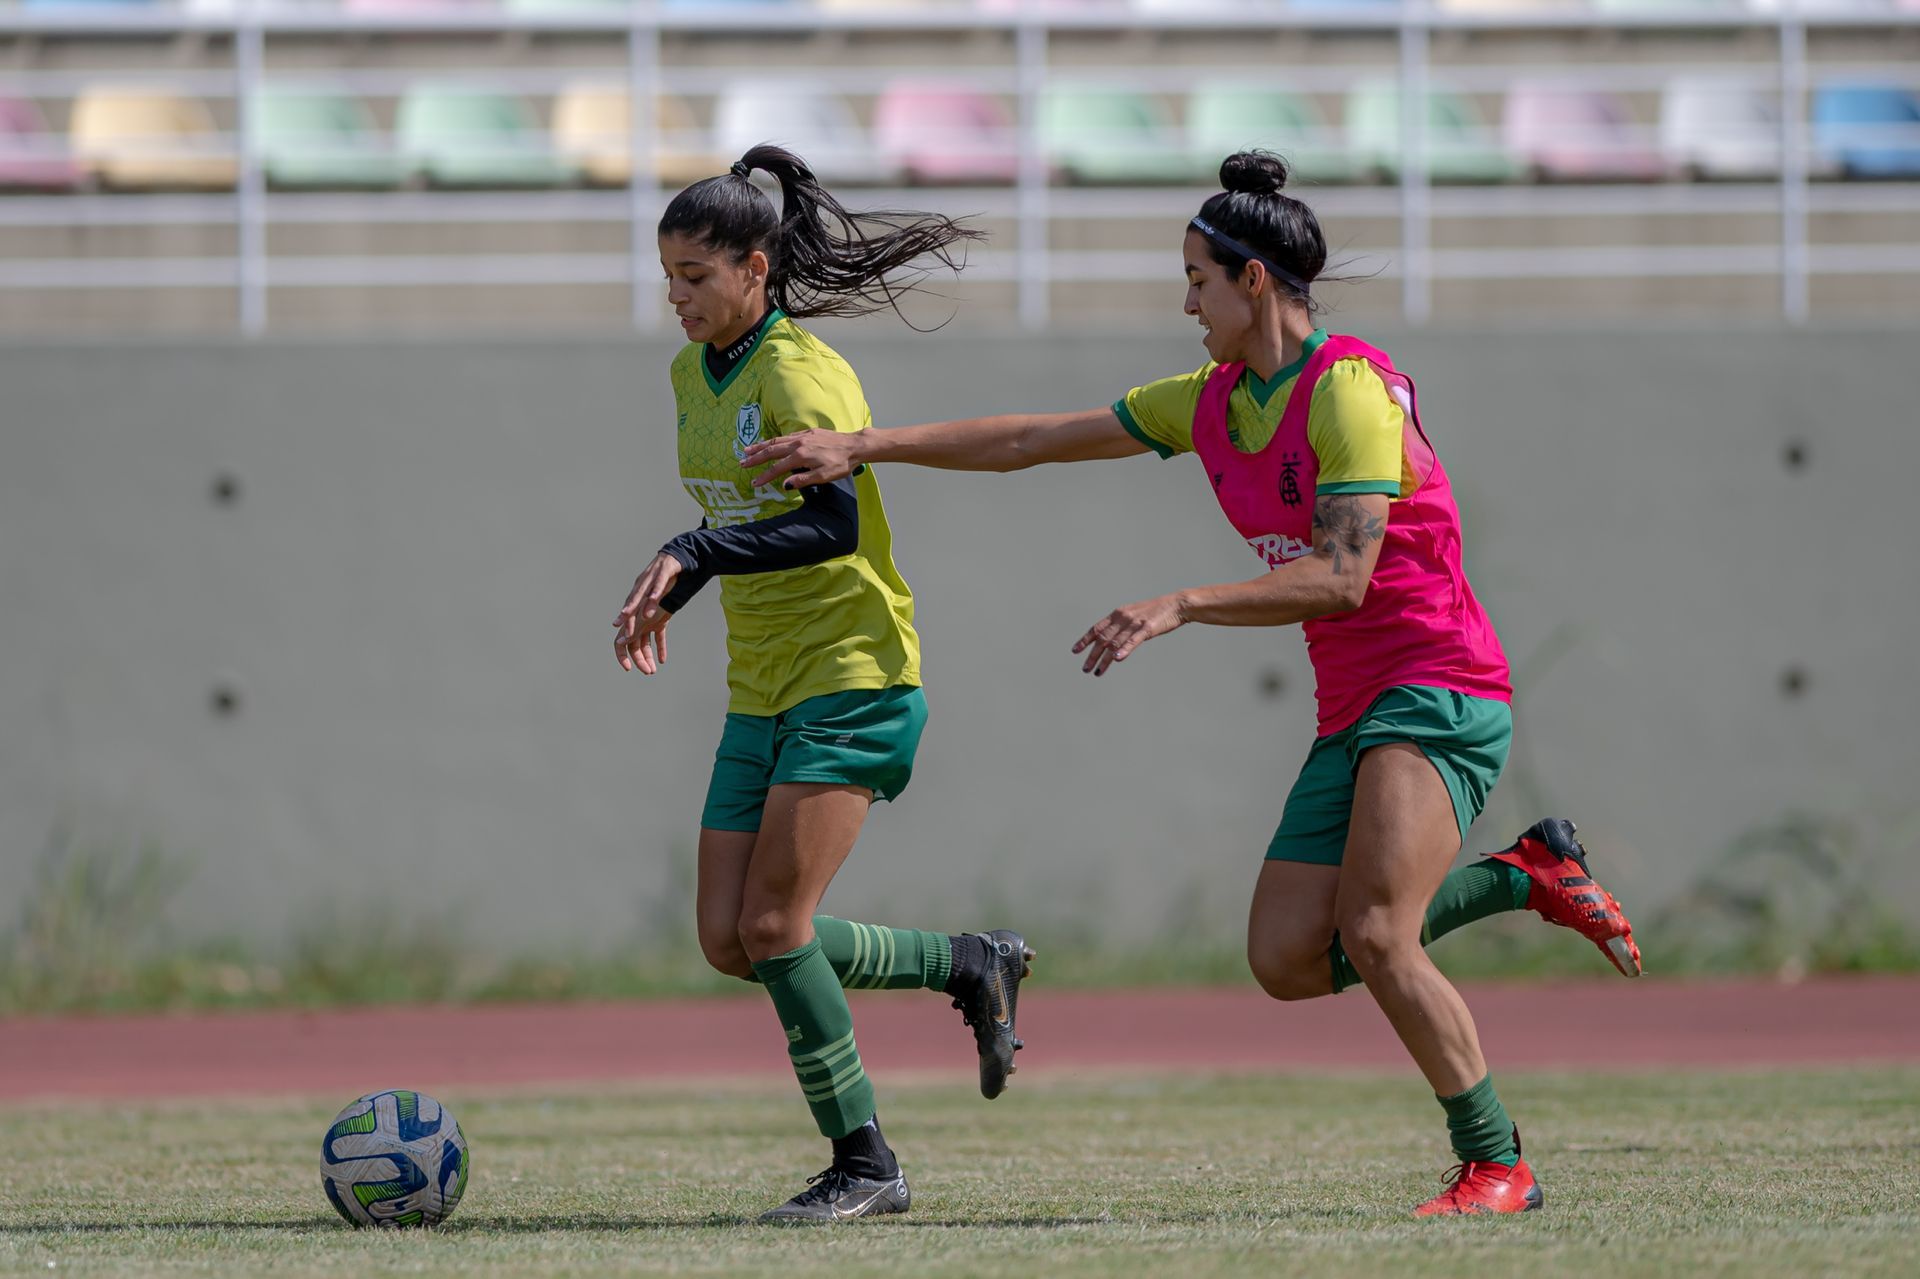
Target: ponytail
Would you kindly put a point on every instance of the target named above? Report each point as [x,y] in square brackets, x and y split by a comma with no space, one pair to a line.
[821,259]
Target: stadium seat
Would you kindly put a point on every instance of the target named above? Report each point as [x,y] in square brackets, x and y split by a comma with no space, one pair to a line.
[943,133]
[150,140]
[1868,131]
[723,4]
[809,121]
[1575,134]
[391,7]
[1460,146]
[1186,6]
[471,136]
[593,125]
[31,158]
[1014,6]
[1507,6]
[1110,135]
[880,6]
[1664,6]
[565,6]
[1718,128]
[316,137]
[1815,7]
[1222,119]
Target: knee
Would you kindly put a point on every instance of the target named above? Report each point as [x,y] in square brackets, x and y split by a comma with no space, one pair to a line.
[1376,941]
[766,932]
[720,944]
[1290,973]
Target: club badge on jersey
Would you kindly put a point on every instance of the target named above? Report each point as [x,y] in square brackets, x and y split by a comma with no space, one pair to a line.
[746,430]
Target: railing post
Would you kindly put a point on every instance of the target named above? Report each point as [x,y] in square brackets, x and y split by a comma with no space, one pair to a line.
[250,261]
[643,183]
[1416,205]
[1795,287]
[1033,264]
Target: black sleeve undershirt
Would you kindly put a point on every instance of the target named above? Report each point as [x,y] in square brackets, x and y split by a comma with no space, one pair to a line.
[825,526]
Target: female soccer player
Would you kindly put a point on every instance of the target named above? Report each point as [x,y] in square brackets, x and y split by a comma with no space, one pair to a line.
[826,706]
[1317,456]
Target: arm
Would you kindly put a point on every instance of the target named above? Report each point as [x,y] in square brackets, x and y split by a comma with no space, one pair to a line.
[1347,533]
[826,526]
[1010,443]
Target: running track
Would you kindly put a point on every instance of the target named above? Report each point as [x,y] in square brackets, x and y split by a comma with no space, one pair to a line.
[1604,1026]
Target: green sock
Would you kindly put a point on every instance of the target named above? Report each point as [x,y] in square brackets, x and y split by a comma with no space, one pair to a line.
[1469,893]
[813,1010]
[1478,1126]
[874,957]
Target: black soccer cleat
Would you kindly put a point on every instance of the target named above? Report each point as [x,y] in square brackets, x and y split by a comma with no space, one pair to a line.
[838,1195]
[989,1007]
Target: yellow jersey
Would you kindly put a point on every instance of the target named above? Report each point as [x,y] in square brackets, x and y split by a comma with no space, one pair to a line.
[1354,426]
[845,623]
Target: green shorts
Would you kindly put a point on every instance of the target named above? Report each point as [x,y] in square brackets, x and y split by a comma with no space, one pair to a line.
[865,737]
[1465,738]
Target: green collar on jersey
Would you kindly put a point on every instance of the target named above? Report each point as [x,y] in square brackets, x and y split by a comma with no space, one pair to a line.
[1263,388]
[719,385]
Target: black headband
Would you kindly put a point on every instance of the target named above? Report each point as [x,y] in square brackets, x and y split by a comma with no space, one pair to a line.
[1232,245]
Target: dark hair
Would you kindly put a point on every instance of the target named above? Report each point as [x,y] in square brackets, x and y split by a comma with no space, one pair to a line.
[821,259]
[1277,227]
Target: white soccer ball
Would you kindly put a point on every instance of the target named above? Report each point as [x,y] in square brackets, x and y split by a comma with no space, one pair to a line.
[394,1158]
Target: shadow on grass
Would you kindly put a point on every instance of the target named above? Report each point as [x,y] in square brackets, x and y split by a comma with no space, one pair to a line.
[538,1225]
[571,1222]
[123,1227]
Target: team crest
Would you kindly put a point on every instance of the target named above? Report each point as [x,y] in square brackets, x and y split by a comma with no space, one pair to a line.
[746,430]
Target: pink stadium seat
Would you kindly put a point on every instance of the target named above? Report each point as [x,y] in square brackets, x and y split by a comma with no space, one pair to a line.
[945,133]
[30,157]
[1565,133]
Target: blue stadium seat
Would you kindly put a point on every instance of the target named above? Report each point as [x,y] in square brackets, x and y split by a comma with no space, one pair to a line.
[1868,131]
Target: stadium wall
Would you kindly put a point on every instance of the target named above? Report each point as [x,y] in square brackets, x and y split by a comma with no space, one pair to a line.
[331,620]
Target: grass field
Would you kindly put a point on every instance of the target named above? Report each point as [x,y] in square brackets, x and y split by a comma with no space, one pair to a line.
[1728,1174]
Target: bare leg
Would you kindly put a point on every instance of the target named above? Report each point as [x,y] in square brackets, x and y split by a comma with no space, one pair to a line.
[724,857]
[1290,927]
[806,832]
[1402,840]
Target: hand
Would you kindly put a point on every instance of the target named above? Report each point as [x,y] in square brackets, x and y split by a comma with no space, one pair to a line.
[1125,629]
[803,459]
[640,631]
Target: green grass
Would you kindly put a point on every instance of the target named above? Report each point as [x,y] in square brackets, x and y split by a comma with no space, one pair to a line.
[1735,1174]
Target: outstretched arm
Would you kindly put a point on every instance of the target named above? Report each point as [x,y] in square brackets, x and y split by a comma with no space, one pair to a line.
[1347,533]
[1009,443]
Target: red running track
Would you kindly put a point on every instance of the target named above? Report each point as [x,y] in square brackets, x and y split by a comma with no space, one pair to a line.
[1585,1026]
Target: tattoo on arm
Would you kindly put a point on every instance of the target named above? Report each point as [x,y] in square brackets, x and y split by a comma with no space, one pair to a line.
[1347,527]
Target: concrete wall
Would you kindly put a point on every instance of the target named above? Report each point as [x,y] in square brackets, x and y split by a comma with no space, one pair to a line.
[408,605]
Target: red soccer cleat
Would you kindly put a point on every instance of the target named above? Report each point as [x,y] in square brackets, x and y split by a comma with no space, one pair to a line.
[1565,892]
[1475,1187]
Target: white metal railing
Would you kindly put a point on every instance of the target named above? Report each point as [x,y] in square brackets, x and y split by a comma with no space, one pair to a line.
[1032,202]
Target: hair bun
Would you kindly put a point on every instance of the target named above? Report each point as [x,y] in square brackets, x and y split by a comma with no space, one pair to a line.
[1253,173]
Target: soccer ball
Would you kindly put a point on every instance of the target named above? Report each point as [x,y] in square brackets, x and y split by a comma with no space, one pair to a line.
[394,1158]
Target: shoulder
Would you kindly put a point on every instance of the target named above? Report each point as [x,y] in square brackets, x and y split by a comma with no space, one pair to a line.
[1351,377]
[1181,386]
[800,365]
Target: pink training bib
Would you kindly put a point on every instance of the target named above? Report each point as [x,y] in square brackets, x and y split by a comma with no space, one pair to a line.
[1420,623]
